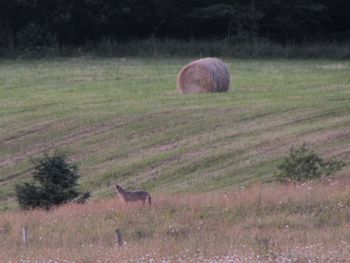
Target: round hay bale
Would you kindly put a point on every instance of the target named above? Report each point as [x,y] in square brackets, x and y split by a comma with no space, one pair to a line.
[204,75]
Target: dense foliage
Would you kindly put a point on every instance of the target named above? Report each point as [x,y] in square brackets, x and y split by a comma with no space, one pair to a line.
[31,23]
[304,164]
[55,182]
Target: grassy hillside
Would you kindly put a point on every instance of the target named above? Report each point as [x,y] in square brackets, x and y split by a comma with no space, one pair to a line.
[123,121]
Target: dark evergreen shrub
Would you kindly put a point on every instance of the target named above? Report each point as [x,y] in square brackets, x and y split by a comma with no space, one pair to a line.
[29,195]
[55,183]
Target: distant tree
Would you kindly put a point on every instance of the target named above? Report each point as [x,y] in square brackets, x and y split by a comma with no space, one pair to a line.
[295,20]
[170,18]
[19,16]
[10,20]
[222,16]
[338,22]
[55,183]
[233,20]
[79,22]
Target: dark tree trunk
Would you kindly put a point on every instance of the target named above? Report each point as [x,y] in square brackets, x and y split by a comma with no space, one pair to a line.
[253,25]
[11,38]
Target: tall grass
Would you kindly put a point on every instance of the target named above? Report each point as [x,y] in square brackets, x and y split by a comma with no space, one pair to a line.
[259,48]
[261,223]
[221,48]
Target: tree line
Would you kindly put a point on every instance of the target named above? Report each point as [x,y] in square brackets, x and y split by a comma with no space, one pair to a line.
[77,22]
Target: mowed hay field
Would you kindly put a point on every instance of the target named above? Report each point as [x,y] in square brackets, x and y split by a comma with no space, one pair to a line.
[123,121]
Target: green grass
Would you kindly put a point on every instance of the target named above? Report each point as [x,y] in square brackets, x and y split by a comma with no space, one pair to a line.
[123,121]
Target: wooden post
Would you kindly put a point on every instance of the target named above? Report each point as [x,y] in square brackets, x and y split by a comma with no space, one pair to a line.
[119,238]
[25,235]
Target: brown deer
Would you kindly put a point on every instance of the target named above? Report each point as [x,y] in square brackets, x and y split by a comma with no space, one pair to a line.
[133,196]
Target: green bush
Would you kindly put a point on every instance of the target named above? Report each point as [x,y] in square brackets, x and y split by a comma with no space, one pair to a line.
[304,164]
[55,182]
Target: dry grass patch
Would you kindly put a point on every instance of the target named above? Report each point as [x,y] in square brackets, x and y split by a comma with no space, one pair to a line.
[261,222]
